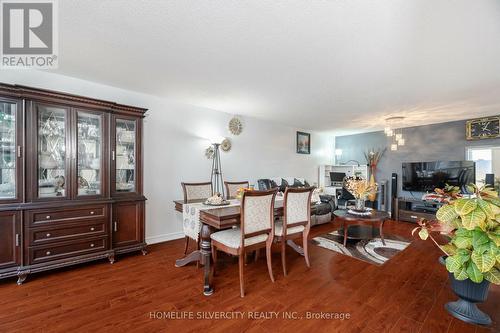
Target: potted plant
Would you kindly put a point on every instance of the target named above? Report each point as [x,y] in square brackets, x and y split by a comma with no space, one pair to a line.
[472,255]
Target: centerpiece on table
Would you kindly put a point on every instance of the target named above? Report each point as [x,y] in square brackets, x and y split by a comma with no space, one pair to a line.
[239,193]
[360,188]
[471,224]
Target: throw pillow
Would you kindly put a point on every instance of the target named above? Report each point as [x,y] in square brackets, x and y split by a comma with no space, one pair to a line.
[284,185]
[273,184]
[297,183]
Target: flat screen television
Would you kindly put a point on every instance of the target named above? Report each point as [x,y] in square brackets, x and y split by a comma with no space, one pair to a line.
[426,176]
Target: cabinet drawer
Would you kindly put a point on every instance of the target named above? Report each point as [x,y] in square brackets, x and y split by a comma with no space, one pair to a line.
[63,250]
[65,215]
[44,235]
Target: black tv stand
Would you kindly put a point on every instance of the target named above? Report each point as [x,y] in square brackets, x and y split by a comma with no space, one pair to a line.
[412,210]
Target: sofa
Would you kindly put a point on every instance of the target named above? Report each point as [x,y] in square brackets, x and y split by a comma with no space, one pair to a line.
[322,210]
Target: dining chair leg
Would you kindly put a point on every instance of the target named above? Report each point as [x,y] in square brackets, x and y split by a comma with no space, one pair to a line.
[305,246]
[241,264]
[268,258]
[186,245]
[283,255]
[257,255]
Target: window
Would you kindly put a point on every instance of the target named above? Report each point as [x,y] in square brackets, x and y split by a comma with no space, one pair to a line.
[487,161]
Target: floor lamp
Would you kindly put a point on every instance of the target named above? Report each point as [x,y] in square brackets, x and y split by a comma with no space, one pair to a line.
[216,178]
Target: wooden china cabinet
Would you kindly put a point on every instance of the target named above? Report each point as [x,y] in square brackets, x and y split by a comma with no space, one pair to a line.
[70,180]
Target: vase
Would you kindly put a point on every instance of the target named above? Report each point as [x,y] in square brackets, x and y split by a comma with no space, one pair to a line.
[359,204]
[469,293]
[373,195]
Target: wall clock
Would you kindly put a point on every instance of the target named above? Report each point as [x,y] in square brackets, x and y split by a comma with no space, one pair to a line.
[235,126]
[483,128]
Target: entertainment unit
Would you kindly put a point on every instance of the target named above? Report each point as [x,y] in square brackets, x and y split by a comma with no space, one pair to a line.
[412,209]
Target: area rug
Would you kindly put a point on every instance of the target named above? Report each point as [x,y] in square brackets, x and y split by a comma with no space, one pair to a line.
[369,250]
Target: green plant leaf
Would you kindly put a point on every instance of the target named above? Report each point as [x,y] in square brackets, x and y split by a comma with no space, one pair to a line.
[486,208]
[463,242]
[493,276]
[423,234]
[495,238]
[461,275]
[495,209]
[494,200]
[474,273]
[479,237]
[474,219]
[446,213]
[449,248]
[453,264]
[462,232]
[465,206]
[484,261]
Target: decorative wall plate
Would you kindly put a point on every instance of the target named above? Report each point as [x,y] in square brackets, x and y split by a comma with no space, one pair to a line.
[209,153]
[235,126]
[226,145]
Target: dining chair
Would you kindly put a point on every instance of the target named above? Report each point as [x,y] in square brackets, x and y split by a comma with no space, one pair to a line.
[296,221]
[233,187]
[256,231]
[195,191]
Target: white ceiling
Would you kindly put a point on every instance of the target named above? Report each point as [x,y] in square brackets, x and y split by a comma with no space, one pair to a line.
[339,65]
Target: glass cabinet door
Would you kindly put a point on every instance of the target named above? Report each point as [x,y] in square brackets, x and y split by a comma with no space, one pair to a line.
[52,163]
[125,155]
[8,150]
[90,152]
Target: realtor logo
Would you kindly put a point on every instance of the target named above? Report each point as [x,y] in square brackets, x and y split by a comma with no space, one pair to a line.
[29,34]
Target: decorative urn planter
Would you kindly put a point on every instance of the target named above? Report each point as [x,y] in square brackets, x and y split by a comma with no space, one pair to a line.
[469,294]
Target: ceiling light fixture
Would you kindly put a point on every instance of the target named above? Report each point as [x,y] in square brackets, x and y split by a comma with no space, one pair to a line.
[394,129]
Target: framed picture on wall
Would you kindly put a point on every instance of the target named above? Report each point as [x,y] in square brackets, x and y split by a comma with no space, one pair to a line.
[303,143]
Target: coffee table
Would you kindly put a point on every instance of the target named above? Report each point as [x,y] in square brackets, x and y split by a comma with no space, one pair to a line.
[376,218]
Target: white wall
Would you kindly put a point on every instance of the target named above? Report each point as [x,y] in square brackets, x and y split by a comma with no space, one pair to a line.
[175,138]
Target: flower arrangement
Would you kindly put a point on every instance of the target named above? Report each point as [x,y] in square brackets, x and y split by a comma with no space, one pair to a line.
[472,225]
[359,187]
[241,190]
[373,157]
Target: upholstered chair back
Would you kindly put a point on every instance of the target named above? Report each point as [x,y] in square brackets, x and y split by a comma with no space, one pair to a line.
[196,191]
[257,211]
[297,205]
[233,187]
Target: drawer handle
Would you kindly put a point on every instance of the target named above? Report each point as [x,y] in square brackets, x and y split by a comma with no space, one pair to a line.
[92,228]
[48,253]
[92,245]
[48,235]
[47,217]
[413,216]
[92,213]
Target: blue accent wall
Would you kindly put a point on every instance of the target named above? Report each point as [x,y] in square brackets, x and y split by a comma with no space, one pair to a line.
[445,141]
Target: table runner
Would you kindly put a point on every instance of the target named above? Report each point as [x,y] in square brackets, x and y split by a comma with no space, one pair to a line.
[191,217]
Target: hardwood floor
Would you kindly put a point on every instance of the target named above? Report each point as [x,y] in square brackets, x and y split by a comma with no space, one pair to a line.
[406,294]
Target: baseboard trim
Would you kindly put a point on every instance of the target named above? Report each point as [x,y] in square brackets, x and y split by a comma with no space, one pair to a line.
[164,237]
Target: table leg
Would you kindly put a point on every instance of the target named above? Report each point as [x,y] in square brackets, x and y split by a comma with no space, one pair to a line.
[381,228]
[193,256]
[206,255]
[295,247]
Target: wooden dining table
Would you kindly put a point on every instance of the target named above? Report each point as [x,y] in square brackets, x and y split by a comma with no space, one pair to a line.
[213,220]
